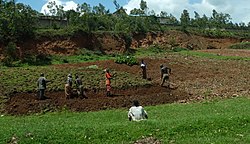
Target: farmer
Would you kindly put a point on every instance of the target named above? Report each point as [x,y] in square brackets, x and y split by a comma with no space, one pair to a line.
[108,82]
[137,112]
[70,80]
[41,84]
[68,91]
[144,68]
[165,73]
[68,86]
[80,89]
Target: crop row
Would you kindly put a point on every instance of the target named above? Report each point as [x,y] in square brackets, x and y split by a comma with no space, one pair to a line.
[19,79]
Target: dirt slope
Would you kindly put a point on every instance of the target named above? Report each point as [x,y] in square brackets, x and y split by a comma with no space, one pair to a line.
[110,43]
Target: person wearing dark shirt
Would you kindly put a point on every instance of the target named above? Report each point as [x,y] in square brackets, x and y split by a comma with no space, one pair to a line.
[165,73]
[80,88]
[144,69]
[41,84]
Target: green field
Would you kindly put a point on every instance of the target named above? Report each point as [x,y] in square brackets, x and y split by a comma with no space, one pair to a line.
[225,121]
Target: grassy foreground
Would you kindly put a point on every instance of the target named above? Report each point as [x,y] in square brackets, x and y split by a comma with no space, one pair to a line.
[225,121]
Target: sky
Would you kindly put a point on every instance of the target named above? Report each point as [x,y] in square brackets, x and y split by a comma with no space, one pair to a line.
[239,10]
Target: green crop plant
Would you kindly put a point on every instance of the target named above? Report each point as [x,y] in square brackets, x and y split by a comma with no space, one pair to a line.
[19,79]
[128,60]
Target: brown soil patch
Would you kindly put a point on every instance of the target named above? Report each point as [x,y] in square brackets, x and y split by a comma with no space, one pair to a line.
[25,103]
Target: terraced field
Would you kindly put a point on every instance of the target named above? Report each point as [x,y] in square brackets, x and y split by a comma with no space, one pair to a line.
[194,78]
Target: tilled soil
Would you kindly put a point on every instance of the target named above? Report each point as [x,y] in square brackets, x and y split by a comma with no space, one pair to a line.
[194,78]
[25,103]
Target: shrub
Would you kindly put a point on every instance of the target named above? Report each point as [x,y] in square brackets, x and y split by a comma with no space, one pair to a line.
[129,60]
[10,54]
[39,59]
[242,45]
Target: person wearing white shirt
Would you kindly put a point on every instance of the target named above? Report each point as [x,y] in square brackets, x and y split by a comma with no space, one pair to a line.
[137,112]
[144,69]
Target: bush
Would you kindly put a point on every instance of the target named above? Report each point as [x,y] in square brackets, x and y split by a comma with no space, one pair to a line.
[10,54]
[242,45]
[129,60]
[39,59]
[216,33]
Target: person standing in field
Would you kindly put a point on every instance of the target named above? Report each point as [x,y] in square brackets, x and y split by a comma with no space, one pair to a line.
[144,69]
[165,73]
[137,112]
[80,89]
[41,84]
[70,80]
[108,82]
[68,87]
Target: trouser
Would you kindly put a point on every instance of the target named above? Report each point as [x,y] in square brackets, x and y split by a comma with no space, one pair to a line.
[41,94]
[165,77]
[81,92]
[68,91]
[144,73]
[108,88]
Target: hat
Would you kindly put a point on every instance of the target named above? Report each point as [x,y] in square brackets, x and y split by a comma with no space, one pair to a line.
[41,74]
[161,65]
[69,75]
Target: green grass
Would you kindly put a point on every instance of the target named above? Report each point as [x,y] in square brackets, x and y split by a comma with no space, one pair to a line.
[80,58]
[152,51]
[225,121]
[212,56]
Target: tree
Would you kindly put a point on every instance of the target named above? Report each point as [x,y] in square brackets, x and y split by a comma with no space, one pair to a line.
[59,11]
[242,25]
[198,21]
[100,10]
[204,21]
[143,7]
[185,19]
[17,21]
[219,20]
[173,20]
[84,8]
[151,13]
[72,17]
[117,5]
[52,8]
[142,11]
[136,12]
[163,14]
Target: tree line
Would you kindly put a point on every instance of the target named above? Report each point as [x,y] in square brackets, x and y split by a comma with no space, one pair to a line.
[19,21]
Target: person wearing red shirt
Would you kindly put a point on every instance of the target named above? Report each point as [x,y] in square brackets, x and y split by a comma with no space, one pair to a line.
[108,82]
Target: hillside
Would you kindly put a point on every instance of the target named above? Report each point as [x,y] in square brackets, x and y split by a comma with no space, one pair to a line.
[115,43]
